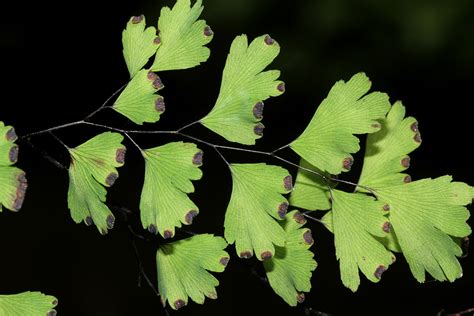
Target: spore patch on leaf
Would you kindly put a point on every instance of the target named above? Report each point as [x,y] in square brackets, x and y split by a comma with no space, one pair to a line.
[246,254]
[417,137]
[266,255]
[386,227]
[137,19]
[13,154]
[405,162]
[308,237]
[160,105]
[386,207]
[208,31]
[258,129]
[300,297]
[51,313]
[89,221]
[407,179]
[110,221]
[20,192]
[347,163]
[190,216]
[157,84]
[111,178]
[157,40]
[281,87]
[178,304]
[197,158]
[167,234]
[258,110]
[282,209]
[269,40]
[299,218]
[414,127]
[288,183]
[152,228]
[151,76]
[11,135]
[378,272]
[120,155]
[224,261]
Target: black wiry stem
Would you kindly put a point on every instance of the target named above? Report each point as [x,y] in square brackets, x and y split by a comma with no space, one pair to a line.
[317,220]
[105,102]
[59,141]
[55,128]
[188,125]
[46,156]
[216,147]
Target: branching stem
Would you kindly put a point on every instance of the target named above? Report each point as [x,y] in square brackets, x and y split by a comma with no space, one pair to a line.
[216,147]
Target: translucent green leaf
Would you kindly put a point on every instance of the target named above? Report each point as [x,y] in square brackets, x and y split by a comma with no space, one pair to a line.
[138,102]
[182,269]
[139,44]
[328,140]
[239,107]
[311,192]
[28,304]
[169,170]
[289,271]
[257,197]
[12,180]
[93,166]
[424,214]
[182,37]
[386,151]
[356,220]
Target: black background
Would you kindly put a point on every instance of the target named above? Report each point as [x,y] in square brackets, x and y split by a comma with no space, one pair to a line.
[60,61]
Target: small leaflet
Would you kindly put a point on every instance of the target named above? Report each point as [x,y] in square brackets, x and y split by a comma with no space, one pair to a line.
[328,141]
[289,271]
[139,44]
[169,170]
[28,303]
[255,206]
[93,167]
[139,101]
[356,220]
[245,86]
[183,269]
[182,37]
[13,180]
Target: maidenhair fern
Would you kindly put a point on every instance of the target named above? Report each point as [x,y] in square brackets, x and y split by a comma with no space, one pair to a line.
[387,213]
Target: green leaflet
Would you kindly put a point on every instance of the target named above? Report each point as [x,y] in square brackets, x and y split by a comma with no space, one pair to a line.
[356,220]
[93,166]
[182,37]
[169,170]
[257,197]
[328,140]
[139,44]
[13,181]
[311,191]
[182,269]
[138,102]
[289,271]
[424,214]
[28,304]
[386,151]
[244,87]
